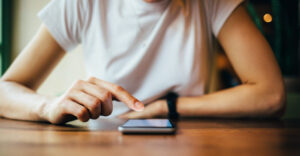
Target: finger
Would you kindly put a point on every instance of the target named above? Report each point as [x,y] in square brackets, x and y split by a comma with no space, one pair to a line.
[106,107]
[92,103]
[101,93]
[150,111]
[120,93]
[75,109]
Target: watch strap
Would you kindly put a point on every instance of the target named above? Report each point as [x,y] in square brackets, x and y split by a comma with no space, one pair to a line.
[171,101]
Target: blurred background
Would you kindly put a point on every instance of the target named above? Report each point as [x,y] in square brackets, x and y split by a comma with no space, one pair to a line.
[278,20]
[19,23]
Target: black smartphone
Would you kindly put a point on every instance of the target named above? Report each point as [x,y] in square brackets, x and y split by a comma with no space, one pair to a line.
[157,126]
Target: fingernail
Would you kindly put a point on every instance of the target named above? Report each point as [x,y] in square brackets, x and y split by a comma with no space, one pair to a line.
[139,106]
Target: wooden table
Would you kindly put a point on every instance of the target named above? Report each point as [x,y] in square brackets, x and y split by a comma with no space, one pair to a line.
[194,137]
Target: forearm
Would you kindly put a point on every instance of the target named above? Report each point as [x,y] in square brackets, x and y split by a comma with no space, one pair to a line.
[19,102]
[247,100]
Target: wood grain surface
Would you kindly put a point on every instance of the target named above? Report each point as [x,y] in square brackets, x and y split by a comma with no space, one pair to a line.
[193,137]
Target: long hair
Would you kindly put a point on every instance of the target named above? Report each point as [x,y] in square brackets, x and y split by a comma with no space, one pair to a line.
[183,4]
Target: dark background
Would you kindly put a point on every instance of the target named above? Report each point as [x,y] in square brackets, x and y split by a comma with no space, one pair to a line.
[282,33]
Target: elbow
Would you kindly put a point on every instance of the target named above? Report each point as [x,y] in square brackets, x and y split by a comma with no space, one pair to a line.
[276,103]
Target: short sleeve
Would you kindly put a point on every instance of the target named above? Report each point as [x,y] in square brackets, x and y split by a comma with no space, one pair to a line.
[219,11]
[64,20]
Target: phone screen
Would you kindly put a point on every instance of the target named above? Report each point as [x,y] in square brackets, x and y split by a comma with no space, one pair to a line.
[146,123]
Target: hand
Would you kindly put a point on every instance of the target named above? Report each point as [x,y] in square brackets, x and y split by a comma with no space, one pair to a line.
[156,109]
[87,100]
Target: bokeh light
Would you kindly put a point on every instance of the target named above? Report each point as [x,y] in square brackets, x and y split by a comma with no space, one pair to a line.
[268,18]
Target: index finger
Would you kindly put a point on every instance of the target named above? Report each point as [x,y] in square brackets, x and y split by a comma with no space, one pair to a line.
[119,93]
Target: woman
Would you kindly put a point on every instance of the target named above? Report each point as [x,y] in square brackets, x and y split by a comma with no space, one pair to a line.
[144,49]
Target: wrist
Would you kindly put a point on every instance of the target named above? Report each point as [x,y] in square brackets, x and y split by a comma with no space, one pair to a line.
[163,107]
[43,109]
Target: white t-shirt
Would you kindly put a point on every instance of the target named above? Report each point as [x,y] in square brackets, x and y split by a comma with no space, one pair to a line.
[149,49]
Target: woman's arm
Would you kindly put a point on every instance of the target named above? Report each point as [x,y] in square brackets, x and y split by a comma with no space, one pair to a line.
[261,93]
[84,100]
[31,67]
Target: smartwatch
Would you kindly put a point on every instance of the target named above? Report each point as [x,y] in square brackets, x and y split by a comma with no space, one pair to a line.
[171,101]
